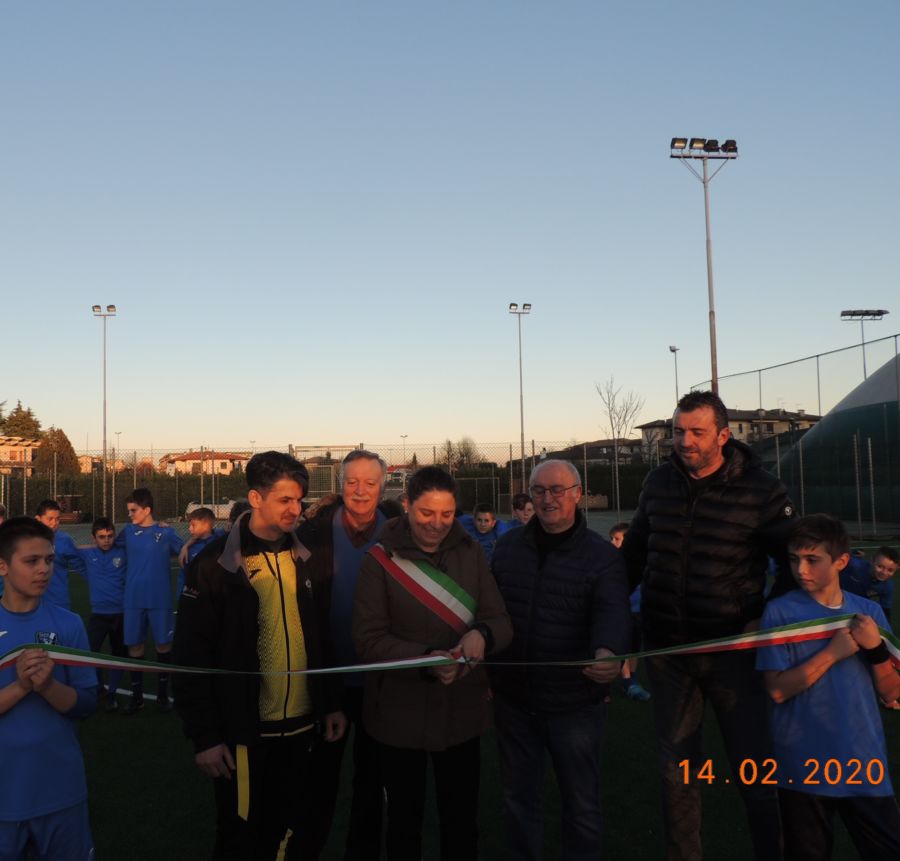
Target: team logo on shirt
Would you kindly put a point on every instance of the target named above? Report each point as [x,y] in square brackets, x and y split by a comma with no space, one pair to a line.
[157,537]
[789,511]
[46,638]
[117,562]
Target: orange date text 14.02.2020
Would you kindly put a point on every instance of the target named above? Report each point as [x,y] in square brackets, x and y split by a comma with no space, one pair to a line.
[833,772]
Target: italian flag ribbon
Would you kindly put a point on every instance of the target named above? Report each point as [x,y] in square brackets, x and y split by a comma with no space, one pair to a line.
[797,632]
[430,586]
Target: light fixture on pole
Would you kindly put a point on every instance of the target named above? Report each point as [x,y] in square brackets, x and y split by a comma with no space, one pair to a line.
[526,309]
[674,352]
[704,150]
[403,436]
[863,314]
[99,312]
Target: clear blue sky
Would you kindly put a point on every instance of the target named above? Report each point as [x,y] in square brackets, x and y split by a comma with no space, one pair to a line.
[313,216]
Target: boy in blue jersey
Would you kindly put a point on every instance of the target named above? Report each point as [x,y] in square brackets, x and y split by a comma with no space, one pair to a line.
[831,754]
[873,581]
[65,555]
[148,591]
[105,567]
[43,792]
[202,526]
[484,527]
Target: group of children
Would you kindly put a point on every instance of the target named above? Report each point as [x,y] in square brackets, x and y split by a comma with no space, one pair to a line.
[830,751]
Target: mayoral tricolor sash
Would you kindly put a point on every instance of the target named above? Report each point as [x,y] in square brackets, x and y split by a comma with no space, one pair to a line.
[430,586]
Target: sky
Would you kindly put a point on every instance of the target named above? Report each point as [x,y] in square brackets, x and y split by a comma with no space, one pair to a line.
[312,217]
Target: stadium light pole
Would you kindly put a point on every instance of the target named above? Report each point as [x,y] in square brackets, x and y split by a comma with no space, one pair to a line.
[685,149]
[403,436]
[674,352]
[526,309]
[99,312]
[863,314]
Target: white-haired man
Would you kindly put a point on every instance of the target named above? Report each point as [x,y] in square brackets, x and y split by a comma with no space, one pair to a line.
[338,538]
[566,591]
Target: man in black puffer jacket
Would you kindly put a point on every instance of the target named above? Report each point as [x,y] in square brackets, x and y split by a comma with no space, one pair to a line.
[565,589]
[699,543]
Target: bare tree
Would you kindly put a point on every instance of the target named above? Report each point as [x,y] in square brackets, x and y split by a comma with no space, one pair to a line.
[621,410]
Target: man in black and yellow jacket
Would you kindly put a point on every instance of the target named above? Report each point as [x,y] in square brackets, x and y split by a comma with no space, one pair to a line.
[248,606]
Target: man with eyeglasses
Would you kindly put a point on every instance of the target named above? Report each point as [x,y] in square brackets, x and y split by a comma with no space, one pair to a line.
[706,523]
[566,591]
[338,538]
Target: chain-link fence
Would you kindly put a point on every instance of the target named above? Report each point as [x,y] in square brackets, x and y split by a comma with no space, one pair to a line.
[485,473]
[814,383]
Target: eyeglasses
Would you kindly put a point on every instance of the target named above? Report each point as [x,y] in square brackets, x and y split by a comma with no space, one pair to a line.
[556,491]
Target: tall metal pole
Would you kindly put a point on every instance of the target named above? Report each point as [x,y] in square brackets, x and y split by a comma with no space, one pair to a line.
[98,311]
[704,150]
[105,512]
[674,352]
[709,279]
[521,404]
[526,309]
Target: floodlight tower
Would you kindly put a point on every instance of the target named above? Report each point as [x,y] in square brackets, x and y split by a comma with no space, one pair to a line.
[109,312]
[674,352]
[863,314]
[704,150]
[526,309]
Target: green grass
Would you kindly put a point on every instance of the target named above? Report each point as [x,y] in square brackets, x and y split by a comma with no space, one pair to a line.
[148,800]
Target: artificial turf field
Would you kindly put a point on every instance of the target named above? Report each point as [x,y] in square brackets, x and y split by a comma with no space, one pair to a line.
[148,801]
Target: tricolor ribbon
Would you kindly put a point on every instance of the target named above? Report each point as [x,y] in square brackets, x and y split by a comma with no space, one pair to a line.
[797,632]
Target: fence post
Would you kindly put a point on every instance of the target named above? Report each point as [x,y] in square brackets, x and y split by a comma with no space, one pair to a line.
[858,492]
[872,485]
[802,488]
[777,457]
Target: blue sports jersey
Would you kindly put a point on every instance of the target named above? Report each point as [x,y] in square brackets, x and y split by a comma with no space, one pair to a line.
[148,584]
[106,579]
[192,551]
[65,556]
[837,718]
[857,578]
[43,770]
[487,540]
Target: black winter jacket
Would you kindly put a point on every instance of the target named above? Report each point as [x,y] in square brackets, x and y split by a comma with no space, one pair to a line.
[565,609]
[702,562]
[218,627]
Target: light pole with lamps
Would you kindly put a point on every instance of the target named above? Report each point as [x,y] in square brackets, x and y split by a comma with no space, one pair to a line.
[99,312]
[674,352]
[863,314]
[526,309]
[703,149]
[403,436]
[117,453]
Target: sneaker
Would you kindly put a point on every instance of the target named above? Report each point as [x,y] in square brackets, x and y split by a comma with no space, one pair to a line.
[112,705]
[134,706]
[637,693]
[164,704]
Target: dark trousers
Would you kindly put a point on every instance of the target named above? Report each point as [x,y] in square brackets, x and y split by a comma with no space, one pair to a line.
[364,827]
[873,823]
[99,627]
[681,686]
[264,809]
[573,739]
[456,779]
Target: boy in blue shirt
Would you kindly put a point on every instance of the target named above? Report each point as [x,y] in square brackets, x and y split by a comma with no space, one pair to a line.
[65,555]
[873,581]
[202,526]
[148,591]
[105,566]
[484,527]
[830,749]
[43,792]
